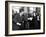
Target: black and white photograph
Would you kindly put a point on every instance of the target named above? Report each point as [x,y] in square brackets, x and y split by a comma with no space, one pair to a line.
[24,18]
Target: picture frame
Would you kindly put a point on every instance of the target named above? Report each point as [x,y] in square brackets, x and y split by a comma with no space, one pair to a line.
[9,28]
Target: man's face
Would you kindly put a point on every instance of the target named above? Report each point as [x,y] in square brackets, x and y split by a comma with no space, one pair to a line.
[25,12]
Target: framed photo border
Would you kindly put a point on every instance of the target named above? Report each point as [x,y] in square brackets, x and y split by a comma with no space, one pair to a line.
[6,17]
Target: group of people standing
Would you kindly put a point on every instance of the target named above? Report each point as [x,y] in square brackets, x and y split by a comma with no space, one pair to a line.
[25,20]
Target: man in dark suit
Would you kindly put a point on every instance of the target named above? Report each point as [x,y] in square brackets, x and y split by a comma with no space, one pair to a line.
[18,20]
